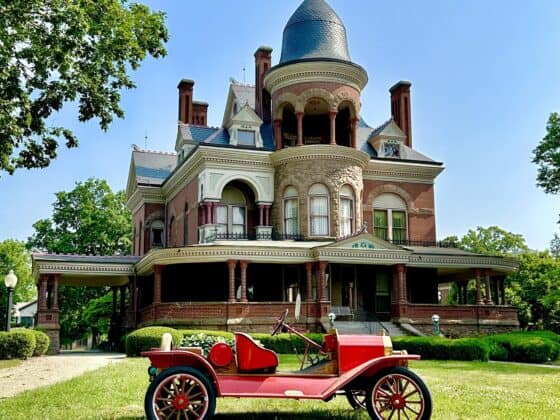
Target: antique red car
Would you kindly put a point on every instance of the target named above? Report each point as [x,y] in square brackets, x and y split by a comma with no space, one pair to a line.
[185,384]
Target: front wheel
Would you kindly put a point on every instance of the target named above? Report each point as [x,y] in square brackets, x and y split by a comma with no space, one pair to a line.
[180,393]
[397,393]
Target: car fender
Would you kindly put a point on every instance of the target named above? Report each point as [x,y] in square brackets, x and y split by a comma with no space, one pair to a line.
[368,369]
[166,359]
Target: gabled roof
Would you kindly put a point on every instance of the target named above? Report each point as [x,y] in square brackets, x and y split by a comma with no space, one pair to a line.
[149,168]
[363,240]
[239,95]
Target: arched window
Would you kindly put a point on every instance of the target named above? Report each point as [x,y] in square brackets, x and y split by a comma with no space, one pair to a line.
[390,218]
[346,211]
[156,233]
[318,210]
[232,212]
[291,211]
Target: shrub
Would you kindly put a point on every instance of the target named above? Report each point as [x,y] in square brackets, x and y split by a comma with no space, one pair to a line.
[286,343]
[42,343]
[147,338]
[205,341]
[21,344]
[212,333]
[538,347]
[443,348]
[4,347]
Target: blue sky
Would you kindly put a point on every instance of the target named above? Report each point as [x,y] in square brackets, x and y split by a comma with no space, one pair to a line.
[485,76]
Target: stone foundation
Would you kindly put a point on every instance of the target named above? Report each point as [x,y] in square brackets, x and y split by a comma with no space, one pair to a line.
[464,329]
[54,334]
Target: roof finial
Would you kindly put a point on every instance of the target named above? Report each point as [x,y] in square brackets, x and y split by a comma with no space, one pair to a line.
[244,81]
[146,139]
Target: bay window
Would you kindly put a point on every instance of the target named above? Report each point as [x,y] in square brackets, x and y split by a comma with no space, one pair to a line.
[346,211]
[318,210]
[291,211]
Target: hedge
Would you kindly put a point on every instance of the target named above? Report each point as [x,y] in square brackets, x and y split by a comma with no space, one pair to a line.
[437,348]
[17,344]
[147,338]
[42,343]
[538,347]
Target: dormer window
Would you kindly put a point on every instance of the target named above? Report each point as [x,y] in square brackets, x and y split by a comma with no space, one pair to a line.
[391,149]
[246,137]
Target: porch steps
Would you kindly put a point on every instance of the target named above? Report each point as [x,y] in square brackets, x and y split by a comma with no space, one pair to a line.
[368,327]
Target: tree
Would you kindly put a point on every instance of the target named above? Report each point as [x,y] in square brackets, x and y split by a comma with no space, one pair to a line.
[56,52]
[90,219]
[14,256]
[555,246]
[493,240]
[547,157]
[535,290]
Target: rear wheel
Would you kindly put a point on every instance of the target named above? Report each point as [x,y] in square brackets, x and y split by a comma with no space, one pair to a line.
[180,393]
[397,393]
[357,398]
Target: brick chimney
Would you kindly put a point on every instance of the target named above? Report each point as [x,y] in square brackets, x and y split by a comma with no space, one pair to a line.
[200,113]
[400,108]
[185,87]
[263,61]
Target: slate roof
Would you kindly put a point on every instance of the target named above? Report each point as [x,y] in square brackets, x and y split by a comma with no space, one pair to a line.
[314,32]
[151,167]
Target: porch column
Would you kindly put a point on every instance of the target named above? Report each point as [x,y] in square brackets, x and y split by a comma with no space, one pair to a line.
[351,294]
[399,275]
[278,133]
[243,265]
[479,300]
[309,281]
[231,269]
[208,213]
[299,116]
[353,130]
[157,283]
[465,293]
[214,211]
[56,277]
[332,117]
[43,292]
[114,310]
[267,214]
[122,296]
[488,299]
[322,285]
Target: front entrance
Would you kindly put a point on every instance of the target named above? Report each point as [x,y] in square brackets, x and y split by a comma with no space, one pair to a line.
[365,289]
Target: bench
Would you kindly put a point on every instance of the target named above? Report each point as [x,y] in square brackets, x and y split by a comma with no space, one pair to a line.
[343,311]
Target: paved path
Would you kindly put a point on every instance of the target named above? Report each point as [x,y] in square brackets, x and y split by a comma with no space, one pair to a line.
[47,370]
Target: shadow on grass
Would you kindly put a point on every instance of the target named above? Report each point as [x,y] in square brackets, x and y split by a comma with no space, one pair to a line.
[278,416]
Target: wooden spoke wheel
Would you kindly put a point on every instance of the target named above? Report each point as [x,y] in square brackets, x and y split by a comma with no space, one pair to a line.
[399,394]
[180,393]
[357,398]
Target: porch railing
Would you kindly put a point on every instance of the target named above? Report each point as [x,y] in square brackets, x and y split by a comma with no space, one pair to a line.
[274,236]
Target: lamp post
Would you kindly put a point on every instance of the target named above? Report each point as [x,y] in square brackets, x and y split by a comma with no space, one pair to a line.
[435,320]
[10,281]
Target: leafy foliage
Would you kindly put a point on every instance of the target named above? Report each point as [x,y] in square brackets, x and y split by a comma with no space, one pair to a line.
[535,290]
[437,348]
[17,344]
[14,256]
[204,341]
[547,156]
[56,52]
[147,338]
[90,219]
[492,240]
[42,342]
[531,347]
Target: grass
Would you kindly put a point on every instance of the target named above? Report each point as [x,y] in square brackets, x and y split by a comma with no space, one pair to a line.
[460,390]
[4,364]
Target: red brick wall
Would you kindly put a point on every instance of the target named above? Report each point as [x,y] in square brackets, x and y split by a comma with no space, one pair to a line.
[420,202]
[141,242]
[176,208]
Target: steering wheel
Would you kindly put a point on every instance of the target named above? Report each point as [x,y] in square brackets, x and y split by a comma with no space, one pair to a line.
[279,323]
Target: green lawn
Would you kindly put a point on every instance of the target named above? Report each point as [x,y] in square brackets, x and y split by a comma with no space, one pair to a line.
[460,390]
[9,363]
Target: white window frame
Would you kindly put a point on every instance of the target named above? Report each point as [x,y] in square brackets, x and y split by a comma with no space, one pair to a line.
[290,194]
[245,130]
[311,216]
[347,197]
[229,216]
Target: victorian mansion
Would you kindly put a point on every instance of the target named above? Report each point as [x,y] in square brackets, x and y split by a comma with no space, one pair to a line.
[293,197]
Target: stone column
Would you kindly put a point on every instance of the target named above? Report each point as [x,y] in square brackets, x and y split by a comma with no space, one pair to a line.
[488,299]
[214,213]
[208,213]
[322,284]
[43,292]
[353,131]
[261,214]
[299,116]
[465,292]
[332,117]
[157,284]
[56,278]
[278,133]
[243,265]
[231,270]
[479,300]
[202,215]
[309,281]
[267,214]
[399,275]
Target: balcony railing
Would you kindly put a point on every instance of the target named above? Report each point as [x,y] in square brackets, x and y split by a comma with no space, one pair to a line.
[413,242]
[274,236]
